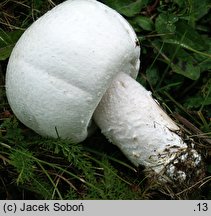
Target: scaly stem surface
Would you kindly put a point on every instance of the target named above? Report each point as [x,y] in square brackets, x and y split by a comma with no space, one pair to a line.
[131,119]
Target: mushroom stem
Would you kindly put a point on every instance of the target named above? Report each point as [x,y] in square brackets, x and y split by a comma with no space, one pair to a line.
[132,120]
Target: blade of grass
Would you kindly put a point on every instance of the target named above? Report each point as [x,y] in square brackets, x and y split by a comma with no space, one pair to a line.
[50,179]
[181,107]
[111,158]
[103,165]
[55,166]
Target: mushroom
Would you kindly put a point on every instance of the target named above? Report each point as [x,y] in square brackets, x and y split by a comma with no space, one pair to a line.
[76,66]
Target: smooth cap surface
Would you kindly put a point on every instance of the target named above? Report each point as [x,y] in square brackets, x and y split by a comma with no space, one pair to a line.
[63,64]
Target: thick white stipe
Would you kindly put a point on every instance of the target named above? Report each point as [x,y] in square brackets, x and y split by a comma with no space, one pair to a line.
[131,119]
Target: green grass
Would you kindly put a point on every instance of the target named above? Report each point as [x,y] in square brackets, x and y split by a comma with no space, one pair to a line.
[176,64]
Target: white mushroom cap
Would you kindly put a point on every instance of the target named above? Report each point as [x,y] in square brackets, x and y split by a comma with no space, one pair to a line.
[63,64]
